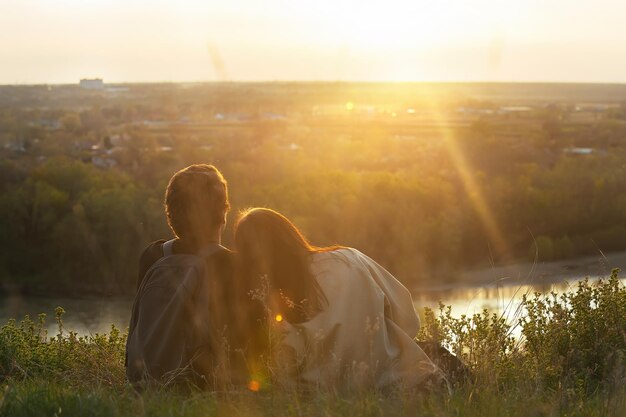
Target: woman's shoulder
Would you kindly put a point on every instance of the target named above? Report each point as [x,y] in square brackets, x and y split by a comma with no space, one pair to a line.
[340,254]
[339,261]
[344,253]
[334,270]
[346,259]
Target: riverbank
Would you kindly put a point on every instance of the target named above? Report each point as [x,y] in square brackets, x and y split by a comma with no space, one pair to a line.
[534,273]
[493,288]
[571,363]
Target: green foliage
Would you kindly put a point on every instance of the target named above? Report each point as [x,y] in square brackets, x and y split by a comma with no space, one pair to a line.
[70,226]
[39,398]
[483,341]
[578,339]
[82,177]
[567,359]
[71,121]
[26,352]
[573,343]
[542,249]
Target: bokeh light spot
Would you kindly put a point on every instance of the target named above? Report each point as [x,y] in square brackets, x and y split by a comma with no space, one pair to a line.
[254,385]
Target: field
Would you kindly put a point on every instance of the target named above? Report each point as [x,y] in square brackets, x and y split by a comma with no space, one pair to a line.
[569,360]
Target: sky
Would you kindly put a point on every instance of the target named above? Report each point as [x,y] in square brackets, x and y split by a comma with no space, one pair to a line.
[61,41]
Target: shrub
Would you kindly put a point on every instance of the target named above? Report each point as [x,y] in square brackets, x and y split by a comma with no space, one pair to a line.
[26,351]
[572,342]
[577,339]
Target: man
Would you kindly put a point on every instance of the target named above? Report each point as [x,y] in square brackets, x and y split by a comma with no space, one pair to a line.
[196,206]
[182,324]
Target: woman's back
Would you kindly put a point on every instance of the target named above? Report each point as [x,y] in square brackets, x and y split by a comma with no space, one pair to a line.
[363,337]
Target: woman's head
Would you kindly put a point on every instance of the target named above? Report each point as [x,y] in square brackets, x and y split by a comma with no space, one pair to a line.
[269,244]
[264,236]
[196,201]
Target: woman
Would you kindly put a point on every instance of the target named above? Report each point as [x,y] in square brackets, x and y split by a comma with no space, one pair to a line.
[343,320]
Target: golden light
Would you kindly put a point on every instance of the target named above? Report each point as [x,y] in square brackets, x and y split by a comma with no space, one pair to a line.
[349,106]
[472,188]
[278,318]
[254,385]
[414,25]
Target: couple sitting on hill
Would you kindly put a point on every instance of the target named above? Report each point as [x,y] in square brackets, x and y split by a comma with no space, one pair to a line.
[278,309]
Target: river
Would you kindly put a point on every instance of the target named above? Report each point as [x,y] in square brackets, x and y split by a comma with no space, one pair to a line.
[95,315]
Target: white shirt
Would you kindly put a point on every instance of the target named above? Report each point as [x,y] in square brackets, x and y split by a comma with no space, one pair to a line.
[364,336]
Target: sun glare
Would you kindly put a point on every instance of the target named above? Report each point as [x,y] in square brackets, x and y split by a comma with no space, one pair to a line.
[420,24]
[471,185]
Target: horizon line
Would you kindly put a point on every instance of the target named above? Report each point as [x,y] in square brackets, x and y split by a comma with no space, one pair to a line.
[60,84]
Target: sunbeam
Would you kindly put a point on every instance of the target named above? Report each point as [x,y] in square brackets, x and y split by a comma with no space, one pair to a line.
[471,186]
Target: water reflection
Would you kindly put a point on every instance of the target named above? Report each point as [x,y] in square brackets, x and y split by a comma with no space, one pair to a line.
[83,315]
[95,315]
[501,299]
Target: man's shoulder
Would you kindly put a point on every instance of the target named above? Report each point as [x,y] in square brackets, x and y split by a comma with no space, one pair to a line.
[152,253]
[154,249]
[222,258]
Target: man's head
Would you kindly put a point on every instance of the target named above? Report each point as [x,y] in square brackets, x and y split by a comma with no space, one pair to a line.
[196,202]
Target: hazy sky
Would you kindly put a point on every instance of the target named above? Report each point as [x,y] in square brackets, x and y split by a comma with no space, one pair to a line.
[60,41]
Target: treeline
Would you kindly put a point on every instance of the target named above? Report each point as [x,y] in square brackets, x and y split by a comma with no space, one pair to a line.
[423,208]
[82,179]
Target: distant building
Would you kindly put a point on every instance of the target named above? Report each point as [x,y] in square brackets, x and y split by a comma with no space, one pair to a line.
[103,162]
[579,151]
[92,83]
[46,124]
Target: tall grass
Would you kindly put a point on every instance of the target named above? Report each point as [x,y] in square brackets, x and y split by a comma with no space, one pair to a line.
[568,358]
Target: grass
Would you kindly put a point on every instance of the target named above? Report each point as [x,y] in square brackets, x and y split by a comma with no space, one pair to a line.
[569,360]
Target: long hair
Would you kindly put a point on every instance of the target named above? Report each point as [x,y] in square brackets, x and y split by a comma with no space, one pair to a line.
[269,243]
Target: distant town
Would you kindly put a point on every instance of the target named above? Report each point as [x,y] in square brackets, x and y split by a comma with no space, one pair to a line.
[111,114]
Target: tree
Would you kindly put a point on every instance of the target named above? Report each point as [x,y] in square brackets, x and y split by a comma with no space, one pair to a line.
[71,122]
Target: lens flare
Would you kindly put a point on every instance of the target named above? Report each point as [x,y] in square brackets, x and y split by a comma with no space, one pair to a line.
[471,186]
[278,318]
[254,386]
